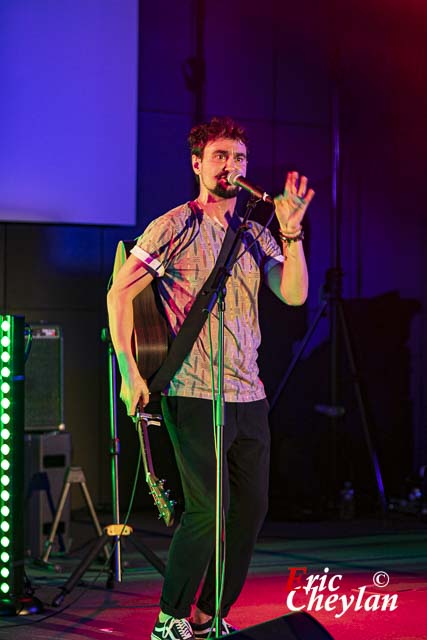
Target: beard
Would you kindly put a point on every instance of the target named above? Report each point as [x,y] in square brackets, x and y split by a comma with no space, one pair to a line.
[225,190]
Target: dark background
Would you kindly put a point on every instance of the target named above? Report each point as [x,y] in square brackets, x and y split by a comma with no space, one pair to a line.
[274,66]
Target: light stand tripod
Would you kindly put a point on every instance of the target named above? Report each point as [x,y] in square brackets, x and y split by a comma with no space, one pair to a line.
[332,300]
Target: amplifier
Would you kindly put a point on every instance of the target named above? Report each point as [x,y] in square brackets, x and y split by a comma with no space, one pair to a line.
[44,380]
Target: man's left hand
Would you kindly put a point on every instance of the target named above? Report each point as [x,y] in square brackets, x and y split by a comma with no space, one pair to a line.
[292,204]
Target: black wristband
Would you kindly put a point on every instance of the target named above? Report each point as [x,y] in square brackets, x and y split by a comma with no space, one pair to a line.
[288,239]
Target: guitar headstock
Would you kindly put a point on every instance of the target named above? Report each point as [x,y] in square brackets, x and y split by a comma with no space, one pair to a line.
[161,499]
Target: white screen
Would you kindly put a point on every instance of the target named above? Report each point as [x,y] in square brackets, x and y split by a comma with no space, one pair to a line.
[68,111]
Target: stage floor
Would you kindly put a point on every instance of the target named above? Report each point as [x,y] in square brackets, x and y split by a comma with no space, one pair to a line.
[375,586]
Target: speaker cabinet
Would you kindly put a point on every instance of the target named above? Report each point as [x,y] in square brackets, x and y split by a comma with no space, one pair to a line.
[294,626]
[47,456]
[44,380]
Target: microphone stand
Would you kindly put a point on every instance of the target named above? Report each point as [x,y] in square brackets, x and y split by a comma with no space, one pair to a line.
[116,562]
[220,292]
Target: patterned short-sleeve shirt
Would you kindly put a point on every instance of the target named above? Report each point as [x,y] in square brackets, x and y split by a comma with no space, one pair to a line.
[180,248]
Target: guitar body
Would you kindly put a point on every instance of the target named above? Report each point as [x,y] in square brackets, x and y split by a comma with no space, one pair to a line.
[151,334]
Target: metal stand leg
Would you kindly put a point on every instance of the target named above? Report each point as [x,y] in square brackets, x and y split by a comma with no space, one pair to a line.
[150,556]
[73,475]
[80,570]
[112,531]
[116,560]
[298,354]
[333,300]
[372,453]
[40,482]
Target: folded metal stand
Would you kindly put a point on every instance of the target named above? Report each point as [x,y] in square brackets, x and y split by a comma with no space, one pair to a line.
[73,475]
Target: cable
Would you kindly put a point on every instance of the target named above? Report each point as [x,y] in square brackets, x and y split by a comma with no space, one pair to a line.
[211,364]
[28,340]
[263,229]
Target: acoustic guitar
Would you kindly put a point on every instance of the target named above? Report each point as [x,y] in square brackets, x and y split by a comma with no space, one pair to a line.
[150,346]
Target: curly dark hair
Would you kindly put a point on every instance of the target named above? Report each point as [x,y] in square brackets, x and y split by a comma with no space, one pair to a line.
[224,127]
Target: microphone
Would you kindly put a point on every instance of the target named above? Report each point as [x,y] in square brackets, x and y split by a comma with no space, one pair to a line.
[238,180]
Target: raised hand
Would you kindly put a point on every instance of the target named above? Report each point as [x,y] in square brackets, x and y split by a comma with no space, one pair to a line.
[292,204]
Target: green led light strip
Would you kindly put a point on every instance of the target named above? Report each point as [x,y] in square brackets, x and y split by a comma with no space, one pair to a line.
[6,425]
[12,369]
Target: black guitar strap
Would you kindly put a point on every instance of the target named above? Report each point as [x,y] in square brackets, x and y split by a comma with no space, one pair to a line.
[196,317]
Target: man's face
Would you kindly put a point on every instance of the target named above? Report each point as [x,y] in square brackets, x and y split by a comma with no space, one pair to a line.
[220,157]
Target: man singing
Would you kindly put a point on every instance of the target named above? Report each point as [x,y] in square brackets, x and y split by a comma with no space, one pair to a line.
[180,249]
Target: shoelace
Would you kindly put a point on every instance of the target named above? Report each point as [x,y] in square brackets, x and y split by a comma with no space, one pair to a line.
[227,627]
[183,627]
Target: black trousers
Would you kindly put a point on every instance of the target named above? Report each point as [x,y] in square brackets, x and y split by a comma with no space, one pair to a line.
[246,470]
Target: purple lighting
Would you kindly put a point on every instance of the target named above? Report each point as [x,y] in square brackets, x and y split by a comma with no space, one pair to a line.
[68,112]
